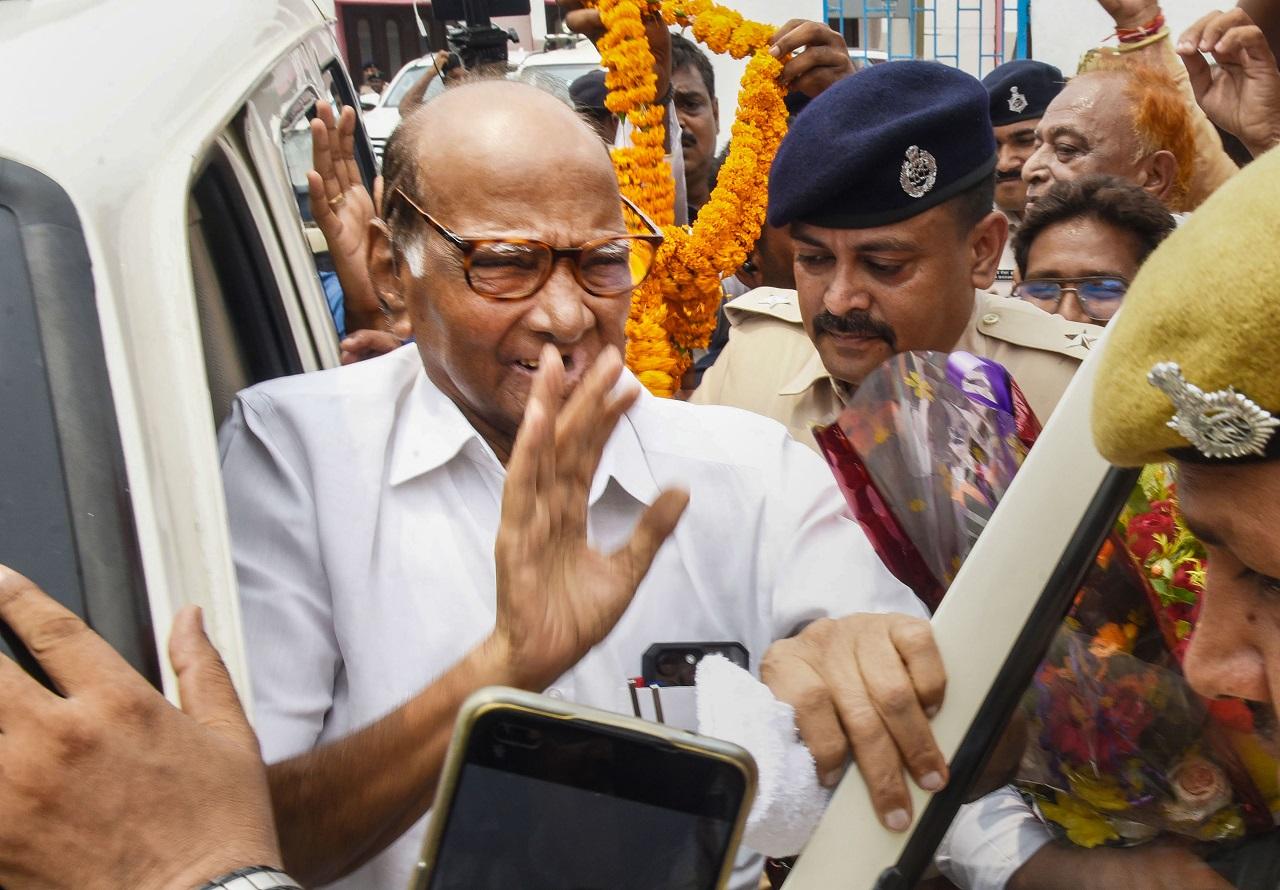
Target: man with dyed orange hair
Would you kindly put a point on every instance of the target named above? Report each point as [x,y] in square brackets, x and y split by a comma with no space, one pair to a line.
[1123,120]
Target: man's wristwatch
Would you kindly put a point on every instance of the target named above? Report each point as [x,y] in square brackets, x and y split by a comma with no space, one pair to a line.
[257,877]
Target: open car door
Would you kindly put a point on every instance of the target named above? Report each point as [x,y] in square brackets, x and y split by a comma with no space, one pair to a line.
[993,629]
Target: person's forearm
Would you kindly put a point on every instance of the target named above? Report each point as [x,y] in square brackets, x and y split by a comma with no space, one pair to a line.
[1055,866]
[1213,166]
[412,99]
[339,806]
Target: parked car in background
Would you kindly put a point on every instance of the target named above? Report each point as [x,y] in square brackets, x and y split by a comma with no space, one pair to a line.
[564,65]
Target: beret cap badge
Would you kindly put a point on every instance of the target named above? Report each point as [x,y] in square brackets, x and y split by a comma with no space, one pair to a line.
[919,172]
[1017,101]
[1222,425]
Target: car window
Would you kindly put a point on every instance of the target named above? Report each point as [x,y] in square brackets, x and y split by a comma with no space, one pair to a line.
[65,511]
[408,81]
[566,73]
[244,326]
[341,94]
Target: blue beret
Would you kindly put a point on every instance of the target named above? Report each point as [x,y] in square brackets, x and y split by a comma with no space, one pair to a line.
[588,92]
[1021,90]
[883,145]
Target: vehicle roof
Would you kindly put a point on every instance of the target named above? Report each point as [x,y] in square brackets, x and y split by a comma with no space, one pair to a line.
[161,77]
[582,54]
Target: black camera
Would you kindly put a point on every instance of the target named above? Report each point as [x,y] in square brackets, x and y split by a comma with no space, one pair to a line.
[478,45]
[475,39]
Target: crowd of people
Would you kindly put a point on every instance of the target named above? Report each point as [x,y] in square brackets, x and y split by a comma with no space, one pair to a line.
[485,496]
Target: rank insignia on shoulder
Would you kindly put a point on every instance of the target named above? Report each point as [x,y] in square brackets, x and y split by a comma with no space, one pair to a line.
[1223,424]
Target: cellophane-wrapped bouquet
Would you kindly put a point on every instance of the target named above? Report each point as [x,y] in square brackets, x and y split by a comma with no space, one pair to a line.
[923,452]
[1122,748]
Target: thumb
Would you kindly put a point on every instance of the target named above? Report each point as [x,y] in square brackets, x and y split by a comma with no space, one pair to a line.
[1199,73]
[655,526]
[204,686]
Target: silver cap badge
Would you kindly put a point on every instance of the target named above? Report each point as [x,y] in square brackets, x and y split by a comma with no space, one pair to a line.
[1221,425]
[919,172]
[1017,101]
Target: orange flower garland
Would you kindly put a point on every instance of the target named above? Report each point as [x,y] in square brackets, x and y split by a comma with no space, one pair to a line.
[674,311]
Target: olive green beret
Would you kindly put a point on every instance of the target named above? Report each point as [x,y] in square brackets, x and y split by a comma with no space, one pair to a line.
[1191,366]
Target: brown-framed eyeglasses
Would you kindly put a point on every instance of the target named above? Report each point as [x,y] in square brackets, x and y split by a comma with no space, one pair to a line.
[514,268]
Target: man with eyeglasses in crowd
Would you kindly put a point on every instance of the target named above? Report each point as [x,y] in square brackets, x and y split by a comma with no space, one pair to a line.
[364,504]
[1081,245]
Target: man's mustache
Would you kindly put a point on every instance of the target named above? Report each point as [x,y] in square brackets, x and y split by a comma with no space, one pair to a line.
[1010,176]
[855,323]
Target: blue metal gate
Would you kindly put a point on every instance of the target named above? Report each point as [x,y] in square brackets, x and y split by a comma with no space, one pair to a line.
[975,35]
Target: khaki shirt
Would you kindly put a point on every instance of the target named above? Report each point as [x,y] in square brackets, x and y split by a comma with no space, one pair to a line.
[771,367]
[1003,285]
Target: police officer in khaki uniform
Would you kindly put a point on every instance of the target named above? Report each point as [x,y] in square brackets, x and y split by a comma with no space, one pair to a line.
[1020,91]
[886,183]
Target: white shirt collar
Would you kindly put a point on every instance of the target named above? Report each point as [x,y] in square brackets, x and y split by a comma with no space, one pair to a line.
[431,431]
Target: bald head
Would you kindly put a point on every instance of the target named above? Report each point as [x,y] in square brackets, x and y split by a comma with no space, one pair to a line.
[497,145]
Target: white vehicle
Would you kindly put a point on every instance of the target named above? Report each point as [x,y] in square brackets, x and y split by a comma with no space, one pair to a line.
[155,262]
[385,115]
[565,65]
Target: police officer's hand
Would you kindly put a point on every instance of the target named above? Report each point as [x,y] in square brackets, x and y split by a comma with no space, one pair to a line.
[557,595]
[108,785]
[819,56]
[865,686]
[1242,96]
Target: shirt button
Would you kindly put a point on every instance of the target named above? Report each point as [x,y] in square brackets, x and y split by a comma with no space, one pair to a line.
[990,318]
[555,692]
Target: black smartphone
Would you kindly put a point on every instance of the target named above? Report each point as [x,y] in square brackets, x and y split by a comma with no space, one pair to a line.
[542,794]
[675,664]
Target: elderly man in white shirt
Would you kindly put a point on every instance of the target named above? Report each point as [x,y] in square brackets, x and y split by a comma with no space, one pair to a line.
[364,505]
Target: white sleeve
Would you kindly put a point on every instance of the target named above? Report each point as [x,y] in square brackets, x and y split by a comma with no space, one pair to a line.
[826,567]
[990,840]
[285,601]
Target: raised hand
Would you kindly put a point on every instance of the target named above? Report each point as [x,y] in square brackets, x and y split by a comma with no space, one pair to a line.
[557,595]
[1130,13]
[819,56]
[582,19]
[108,785]
[865,686]
[1242,96]
[342,208]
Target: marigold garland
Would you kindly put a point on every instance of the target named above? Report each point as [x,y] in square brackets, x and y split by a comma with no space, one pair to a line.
[674,311]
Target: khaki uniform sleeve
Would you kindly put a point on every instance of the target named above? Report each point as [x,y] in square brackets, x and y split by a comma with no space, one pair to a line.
[1213,165]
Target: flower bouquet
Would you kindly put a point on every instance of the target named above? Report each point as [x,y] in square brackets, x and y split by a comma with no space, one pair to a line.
[923,453]
[1123,749]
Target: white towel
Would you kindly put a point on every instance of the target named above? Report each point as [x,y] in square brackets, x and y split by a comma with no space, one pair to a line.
[736,707]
